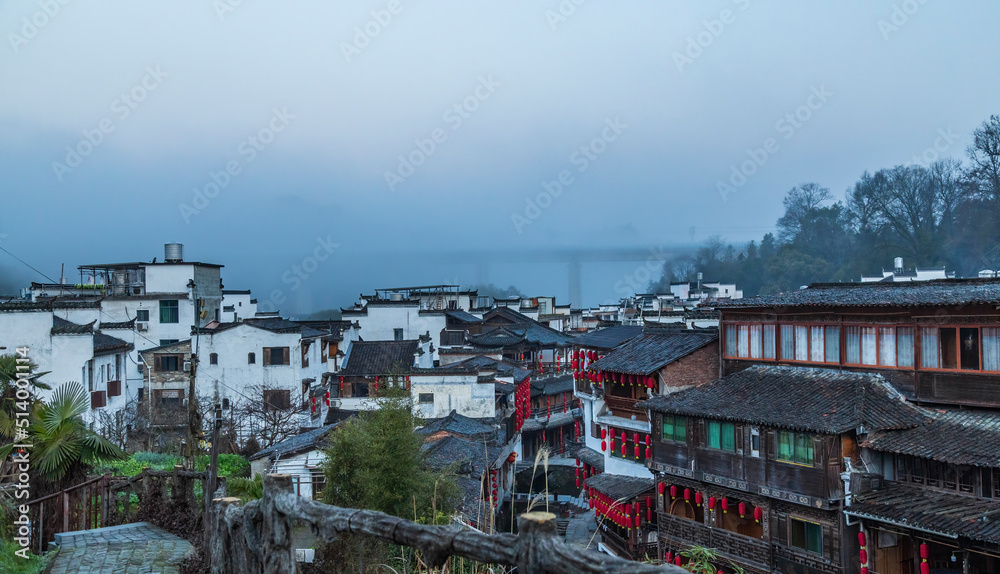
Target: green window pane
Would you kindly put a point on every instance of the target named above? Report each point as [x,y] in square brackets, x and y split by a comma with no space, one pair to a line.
[680,429]
[668,427]
[728,437]
[714,434]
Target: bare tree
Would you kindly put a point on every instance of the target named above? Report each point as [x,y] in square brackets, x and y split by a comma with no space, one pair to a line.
[984,154]
[800,201]
[267,423]
[123,425]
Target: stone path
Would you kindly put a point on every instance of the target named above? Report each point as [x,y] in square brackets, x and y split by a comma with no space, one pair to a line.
[139,548]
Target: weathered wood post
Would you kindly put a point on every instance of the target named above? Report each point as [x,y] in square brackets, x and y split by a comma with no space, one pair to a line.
[536,534]
[276,527]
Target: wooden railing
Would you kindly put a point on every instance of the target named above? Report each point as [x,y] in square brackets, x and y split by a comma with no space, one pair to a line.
[108,501]
[624,407]
[257,538]
[680,532]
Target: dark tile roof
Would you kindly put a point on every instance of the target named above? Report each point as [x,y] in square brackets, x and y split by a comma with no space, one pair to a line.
[608,338]
[61,326]
[127,325]
[949,514]
[462,316]
[182,343]
[274,324]
[482,362]
[591,457]
[472,456]
[957,437]
[654,350]
[296,444]
[460,425]
[498,337]
[380,357]
[552,385]
[506,313]
[106,343]
[533,331]
[48,304]
[558,419]
[899,294]
[814,400]
[621,487]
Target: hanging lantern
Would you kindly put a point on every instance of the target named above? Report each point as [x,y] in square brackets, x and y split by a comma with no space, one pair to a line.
[677,560]
[326,398]
[649,452]
[649,441]
[649,383]
[864,570]
[924,552]
[711,503]
[673,491]
[687,494]
[649,512]
[636,451]
[758,514]
[624,449]
[604,433]
[661,487]
[578,482]
[725,505]
[862,540]
[864,556]
[624,436]
[668,557]
[314,404]
[742,508]
[698,498]
[925,568]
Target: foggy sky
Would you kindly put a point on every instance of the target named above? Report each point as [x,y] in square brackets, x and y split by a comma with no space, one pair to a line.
[690,87]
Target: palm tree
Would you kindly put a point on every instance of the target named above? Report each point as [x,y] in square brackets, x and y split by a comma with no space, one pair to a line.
[63,446]
[9,403]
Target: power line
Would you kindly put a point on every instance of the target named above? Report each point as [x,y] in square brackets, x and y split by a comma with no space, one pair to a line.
[26,264]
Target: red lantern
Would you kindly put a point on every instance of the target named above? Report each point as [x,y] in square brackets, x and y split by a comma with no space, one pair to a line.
[668,557]
[677,560]
[649,382]
[649,452]
[864,570]
[698,498]
[661,487]
[758,513]
[604,446]
[578,482]
[624,447]
[673,491]
[649,514]
[711,503]
[864,556]
[649,441]
[624,436]
[725,505]
[862,540]
[636,449]
[604,433]
[924,551]
[326,398]
[687,494]
[925,568]
[590,502]
[743,509]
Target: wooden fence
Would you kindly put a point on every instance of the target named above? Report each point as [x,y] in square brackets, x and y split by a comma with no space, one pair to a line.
[108,501]
[257,538]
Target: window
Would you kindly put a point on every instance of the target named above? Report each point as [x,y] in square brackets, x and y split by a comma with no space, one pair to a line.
[795,447]
[810,343]
[806,535]
[251,358]
[142,315]
[276,356]
[169,312]
[213,359]
[225,404]
[879,345]
[832,343]
[277,399]
[425,398]
[170,397]
[749,341]
[965,348]
[675,428]
[754,441]
[397,334]
[167,363]
[165,342]
[722,436]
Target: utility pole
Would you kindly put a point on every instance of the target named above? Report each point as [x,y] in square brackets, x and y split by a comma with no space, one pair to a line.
[194,426]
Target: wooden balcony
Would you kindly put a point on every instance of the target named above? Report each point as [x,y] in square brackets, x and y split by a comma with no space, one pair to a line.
[624,407]
[678,533]
[626,548]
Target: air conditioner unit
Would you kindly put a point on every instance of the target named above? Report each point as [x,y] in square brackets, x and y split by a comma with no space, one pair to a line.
[142,326]
[187,366]
[334,403]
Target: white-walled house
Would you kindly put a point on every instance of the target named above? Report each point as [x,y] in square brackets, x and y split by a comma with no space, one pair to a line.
[300,456]
[237,305]
[69,351]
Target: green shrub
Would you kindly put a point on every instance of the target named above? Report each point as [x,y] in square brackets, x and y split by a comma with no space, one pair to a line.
[11,563]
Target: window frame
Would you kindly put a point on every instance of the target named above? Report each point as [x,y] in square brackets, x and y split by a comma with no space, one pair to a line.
[677,421]
[722,427]
[142,315]
[422,398]
[879,327]
[738,326]
[166,307]
[808,353]
[918,343]
[805,533]
[795,436]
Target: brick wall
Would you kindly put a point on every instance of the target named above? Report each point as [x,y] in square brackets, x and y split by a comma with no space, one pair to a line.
[695,369]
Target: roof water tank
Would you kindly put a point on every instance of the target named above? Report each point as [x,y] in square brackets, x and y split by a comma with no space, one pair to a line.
[898,263]
[173,252]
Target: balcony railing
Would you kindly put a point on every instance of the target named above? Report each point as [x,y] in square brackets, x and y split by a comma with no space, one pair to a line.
[679,533]
[624,407]
[627,549]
